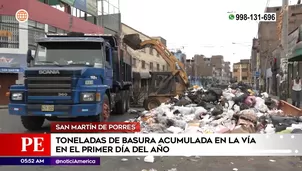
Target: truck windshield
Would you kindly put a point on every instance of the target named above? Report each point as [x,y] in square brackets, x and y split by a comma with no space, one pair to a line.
[69,53]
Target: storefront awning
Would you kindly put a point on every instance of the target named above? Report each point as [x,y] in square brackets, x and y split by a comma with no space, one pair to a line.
[141,75]
[296,53]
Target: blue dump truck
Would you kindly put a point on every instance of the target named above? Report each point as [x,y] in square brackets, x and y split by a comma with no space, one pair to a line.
[73,76]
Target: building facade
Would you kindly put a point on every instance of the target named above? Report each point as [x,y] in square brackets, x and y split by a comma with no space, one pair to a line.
[180,56]
[242,71]
[221,69]
[255,61]
[269,36]
[227,72]
[20,37]
[202,68]
[144,61]
[190,67]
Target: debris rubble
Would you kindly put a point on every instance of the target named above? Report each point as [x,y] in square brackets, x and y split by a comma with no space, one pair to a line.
[237,109]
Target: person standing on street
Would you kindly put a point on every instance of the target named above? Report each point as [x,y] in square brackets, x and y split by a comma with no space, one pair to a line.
[296,91]
[261,84]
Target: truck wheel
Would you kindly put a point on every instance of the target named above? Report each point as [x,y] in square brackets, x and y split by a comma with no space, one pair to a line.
[105,114]
[106,108]
[152,103]
[120,106]
[32,123]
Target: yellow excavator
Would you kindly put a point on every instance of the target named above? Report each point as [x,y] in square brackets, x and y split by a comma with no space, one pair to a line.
[164,85]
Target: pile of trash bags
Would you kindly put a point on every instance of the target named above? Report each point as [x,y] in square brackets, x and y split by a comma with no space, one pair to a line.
[236,109]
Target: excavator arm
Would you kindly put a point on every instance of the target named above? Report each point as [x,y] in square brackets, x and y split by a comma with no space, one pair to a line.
[176,67]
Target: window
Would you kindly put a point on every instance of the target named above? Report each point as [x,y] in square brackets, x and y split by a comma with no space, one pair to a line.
[52,29]
[9,28]
[31,23]
[151,66]
[163,67]
[134,62]
[244,66]
[70,54]
[107,56]
[144,83]
[235,70]
[40,26]
[143,64]
[143,50]
[151,51]
[244,69]
[157,54]
[157,66]
[60,31]
[35,31]
[244,78]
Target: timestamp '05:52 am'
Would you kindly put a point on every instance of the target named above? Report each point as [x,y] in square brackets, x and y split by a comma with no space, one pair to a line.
[265,17]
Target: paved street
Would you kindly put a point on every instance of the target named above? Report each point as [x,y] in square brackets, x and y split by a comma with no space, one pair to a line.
[11,124]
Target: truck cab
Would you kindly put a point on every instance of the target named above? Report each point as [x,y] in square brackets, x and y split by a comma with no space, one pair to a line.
[72,77]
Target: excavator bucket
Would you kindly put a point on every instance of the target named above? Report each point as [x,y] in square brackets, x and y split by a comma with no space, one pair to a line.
[133,41]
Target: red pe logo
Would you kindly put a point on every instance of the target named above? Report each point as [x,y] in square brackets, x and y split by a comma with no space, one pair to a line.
[35,144]
[25,144]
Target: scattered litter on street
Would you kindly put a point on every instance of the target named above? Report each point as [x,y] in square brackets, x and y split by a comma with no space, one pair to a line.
[133,111]
[273,161]
[149,159]
[236,109]
[124,159]
[193,160]
[235,169]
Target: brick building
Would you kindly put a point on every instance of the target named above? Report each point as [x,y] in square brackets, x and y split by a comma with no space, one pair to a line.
[190,67]
[242,71]
[214,67]
[227,70]
[268,36]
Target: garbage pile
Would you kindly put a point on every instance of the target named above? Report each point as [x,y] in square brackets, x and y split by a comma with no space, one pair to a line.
[236,109]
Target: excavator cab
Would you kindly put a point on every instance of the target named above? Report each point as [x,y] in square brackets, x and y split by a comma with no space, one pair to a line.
[164,85]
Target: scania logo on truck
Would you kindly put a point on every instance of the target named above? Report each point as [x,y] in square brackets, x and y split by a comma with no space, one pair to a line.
[49,72]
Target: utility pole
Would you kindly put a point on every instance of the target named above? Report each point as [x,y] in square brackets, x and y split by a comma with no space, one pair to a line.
[284,50]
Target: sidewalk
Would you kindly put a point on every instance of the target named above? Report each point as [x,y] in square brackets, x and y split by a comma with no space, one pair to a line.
[3,106]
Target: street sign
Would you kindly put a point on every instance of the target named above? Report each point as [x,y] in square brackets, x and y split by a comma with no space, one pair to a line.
[257,74]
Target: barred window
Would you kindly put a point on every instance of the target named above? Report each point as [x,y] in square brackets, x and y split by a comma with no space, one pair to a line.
[33,35]
[52,29]
[9,27]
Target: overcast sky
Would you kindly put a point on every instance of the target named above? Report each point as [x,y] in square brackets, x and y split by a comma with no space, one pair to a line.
[200,26]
